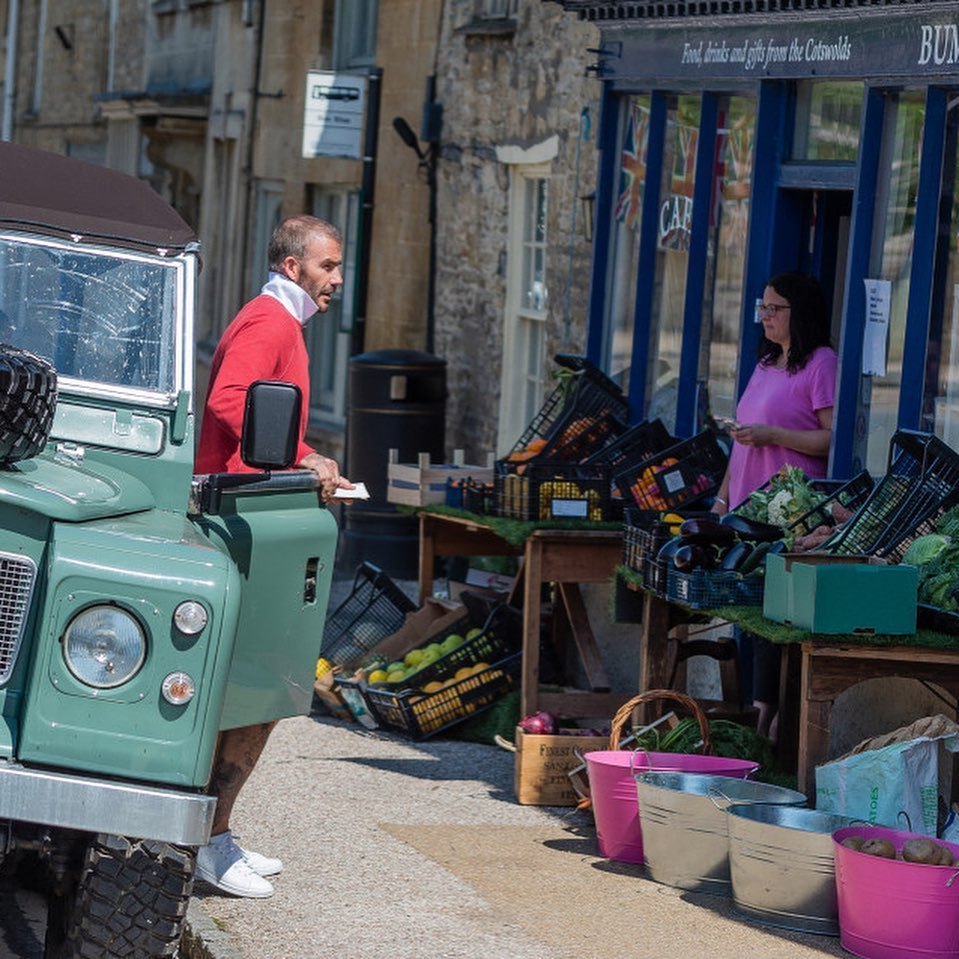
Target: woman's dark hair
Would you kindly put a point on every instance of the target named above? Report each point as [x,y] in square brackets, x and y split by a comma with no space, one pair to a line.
[808,320]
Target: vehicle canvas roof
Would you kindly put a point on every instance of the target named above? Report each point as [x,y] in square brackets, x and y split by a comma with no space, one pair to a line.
[54,194]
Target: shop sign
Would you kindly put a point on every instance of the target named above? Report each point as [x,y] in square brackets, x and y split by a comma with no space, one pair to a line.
[924,43]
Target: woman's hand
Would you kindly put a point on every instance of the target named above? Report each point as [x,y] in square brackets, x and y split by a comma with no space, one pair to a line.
[756,434]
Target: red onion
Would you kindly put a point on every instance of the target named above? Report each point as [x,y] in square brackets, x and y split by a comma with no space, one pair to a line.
[539,723]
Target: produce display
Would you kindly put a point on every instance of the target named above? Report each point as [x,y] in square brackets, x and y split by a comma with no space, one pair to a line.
[920,850]
[936,556]
[730,543]
[785,498]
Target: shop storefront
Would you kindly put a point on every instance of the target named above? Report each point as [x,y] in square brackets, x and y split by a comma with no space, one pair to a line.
[737,144]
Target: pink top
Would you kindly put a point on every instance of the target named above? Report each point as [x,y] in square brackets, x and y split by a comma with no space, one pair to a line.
[264,342]
[777,397]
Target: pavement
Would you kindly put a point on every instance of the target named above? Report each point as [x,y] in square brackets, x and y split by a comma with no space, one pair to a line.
[395,849]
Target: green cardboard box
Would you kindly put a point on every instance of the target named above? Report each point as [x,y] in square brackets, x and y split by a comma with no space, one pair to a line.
[823,593]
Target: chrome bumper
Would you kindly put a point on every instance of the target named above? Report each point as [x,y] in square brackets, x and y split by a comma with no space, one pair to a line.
[95,805]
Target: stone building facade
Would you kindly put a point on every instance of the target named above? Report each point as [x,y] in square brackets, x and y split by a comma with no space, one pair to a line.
[516,97]
[206,99]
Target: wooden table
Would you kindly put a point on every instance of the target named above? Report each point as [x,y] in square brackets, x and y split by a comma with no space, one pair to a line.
[814,673]
[829,669]
[561,556]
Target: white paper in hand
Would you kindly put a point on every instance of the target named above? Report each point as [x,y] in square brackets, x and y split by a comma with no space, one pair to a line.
[360,492]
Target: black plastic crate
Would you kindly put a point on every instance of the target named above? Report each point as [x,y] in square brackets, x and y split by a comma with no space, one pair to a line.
[921,483]
[468,494]
[547,491]
[656,576]
[586,394]
[420,715]
[375,608]
[642,541]
[496,640]
[851,495]
[712,589]
[677,477]
[637,444]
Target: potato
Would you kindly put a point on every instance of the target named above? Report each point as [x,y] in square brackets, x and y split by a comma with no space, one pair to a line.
[945,856]
[921,850]
[879,847]
[853,842]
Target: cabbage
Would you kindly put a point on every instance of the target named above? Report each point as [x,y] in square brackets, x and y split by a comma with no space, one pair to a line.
[925,549]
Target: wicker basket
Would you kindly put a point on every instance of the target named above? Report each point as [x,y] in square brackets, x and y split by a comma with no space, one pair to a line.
[627,710]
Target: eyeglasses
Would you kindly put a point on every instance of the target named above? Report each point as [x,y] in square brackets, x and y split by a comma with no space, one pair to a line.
[771,309]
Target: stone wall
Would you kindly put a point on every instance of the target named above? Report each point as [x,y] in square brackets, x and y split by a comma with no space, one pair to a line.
[498,89]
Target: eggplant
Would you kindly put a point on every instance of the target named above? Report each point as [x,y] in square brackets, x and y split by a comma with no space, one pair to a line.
[735,556]
[668,549]
[703,529]
[754,560]
[751,529]
[692,556]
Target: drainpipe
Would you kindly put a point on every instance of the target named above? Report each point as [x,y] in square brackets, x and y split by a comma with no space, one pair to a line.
[366,217]
[10,71]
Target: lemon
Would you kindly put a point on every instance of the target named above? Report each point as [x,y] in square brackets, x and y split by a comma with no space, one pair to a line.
[397,676]
[378,676]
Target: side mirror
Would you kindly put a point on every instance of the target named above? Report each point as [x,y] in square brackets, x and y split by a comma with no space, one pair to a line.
[271,425]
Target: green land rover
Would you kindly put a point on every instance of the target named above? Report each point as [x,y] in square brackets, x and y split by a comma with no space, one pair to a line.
[142,608]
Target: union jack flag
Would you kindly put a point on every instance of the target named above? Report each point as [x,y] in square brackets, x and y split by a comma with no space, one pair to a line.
[632,174]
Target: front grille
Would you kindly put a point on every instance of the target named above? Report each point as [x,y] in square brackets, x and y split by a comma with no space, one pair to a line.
[17,575]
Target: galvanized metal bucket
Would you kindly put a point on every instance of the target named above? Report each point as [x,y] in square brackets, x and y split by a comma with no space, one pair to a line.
[683,821]
[781,866]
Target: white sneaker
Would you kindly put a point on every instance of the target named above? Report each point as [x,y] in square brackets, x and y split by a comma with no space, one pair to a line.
[260,864]
[221,864]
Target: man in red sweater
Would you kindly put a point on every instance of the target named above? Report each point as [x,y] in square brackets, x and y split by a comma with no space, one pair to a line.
[264,342]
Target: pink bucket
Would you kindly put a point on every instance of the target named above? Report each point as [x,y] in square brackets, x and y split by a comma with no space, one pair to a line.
[890,909]
[612,789]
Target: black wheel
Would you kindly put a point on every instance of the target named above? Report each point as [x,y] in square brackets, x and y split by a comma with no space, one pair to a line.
[130,902]
[28,398]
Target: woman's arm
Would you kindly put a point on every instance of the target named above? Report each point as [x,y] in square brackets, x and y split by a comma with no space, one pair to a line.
[810,442]
[721,500]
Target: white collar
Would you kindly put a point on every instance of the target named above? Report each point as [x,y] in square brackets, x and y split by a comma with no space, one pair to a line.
[294,298]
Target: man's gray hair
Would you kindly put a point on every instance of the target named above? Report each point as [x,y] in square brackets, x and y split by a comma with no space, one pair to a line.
[292,236]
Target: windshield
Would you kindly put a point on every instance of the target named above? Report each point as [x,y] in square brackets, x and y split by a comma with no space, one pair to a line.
[101,316]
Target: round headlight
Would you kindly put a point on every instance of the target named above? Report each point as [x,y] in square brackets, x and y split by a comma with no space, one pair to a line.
[190,617]
[104,646]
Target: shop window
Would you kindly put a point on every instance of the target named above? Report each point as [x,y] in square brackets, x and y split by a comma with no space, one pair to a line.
[355,45]
[892,262]
[726,253]
[944,347]
[828,115]
[672,258]
[524,336]
[497,9]
[328,334]
[625,239]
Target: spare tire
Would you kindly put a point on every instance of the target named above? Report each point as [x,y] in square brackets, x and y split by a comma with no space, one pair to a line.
[28,399]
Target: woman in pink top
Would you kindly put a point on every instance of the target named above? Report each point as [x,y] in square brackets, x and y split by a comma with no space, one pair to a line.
[784,418]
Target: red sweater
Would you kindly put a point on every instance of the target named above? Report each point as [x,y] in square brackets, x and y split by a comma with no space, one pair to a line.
[264,342]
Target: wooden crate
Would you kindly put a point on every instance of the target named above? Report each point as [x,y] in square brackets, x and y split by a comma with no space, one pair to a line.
[424,483]
[543,763]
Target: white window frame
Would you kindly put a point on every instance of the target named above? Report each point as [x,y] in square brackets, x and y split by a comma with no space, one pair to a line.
[524,324]
[498,9]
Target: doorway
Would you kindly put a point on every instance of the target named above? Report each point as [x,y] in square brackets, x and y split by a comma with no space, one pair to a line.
[813,232]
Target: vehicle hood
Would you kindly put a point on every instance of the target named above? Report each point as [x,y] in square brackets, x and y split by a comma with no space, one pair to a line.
[70,491]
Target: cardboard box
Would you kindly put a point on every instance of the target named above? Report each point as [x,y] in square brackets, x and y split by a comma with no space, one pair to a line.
[543,763]
[326,692]
[823,593]
[423,483]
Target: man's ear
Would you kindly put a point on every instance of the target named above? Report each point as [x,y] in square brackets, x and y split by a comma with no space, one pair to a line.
[290,268]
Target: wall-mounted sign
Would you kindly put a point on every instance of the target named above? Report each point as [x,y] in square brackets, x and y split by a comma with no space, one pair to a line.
[333,115]
[923,42]
[876,332]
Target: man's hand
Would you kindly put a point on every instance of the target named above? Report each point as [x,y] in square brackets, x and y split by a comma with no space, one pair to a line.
[328,473]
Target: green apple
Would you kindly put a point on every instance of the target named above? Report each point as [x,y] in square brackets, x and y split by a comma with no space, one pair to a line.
[396,667]
[474,632]
[453,641]
[430,655]
[413,658]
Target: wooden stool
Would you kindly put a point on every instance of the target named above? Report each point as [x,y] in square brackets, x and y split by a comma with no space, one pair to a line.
[683,645]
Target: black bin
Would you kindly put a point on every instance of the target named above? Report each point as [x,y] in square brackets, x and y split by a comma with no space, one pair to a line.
[397,400]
